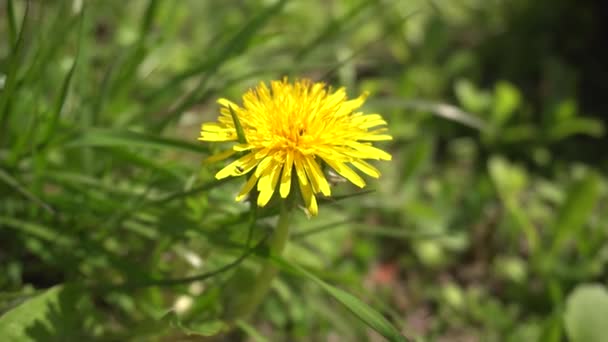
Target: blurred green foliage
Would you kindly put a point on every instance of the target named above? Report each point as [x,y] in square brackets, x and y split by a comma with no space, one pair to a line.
[486,226]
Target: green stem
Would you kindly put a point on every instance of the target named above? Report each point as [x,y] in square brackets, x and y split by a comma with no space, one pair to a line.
[269,270]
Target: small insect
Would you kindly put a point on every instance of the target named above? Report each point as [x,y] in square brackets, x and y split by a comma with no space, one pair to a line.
[239,169]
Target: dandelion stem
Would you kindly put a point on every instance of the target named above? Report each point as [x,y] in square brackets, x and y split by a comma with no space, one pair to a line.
[264,279]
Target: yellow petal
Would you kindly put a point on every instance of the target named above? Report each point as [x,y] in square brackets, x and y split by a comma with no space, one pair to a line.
[246,188]
[346,172]
[239,167]
[366,168]
[243,147]
[267,184]
[227,103]
[215,127]
[219,156]
[375,137]
[217,136]
[317,177]
[368,151]
[286,177]
[313,208]
[263,165]
[300,172]
[309,198]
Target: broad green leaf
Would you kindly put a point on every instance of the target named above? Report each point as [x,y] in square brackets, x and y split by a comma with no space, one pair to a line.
[50,316]
[582,198]
[586,126]
[510,180]
[586,315]
[362,311]
[507,99]
[472,99]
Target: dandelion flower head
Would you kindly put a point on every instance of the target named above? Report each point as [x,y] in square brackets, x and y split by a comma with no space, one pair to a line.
[290,131]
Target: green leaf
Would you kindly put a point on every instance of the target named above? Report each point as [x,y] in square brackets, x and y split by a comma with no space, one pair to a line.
[209,328]
[50,316]
[569,127]
[507,99]
[510,180]
[472,99]
[250,331]
[586,315]
[581,200]
[362,311]
[206,328]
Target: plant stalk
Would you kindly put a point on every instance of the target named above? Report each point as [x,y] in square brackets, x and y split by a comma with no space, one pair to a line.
[266,275]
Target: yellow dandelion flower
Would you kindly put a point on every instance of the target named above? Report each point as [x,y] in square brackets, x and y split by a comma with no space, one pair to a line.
[294,128]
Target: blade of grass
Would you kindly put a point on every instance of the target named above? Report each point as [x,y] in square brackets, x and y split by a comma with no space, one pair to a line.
[106,137]
[39,231]
[10,85]
[443,110]
[65,87]
[14,183]
[191,192]
[251,331]
[11,23]
[366,47]
[332,29]
[50,39]
[126,74]
[200,277]
[235,46]
[364,312]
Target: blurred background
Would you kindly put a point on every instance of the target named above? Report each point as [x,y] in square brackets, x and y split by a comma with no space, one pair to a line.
[490,223]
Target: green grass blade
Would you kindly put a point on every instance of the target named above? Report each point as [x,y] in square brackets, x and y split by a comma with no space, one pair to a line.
[251,331]
[331,30]
[14,183]
[235,46]
[7,94]
[364,312]
[37,230]
[11,23]
[65,87]
[106,137]
[50,41]
[126,74]
[239,129]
